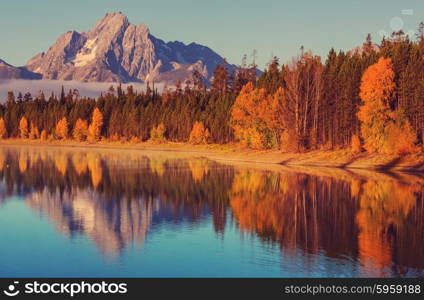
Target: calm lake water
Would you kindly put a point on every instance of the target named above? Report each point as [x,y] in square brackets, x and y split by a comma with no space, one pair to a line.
[82,213]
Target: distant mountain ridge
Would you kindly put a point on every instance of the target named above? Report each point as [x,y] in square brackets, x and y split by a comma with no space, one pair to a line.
[118,51]
[8,71]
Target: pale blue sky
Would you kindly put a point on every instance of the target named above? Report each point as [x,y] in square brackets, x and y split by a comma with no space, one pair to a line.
[232,28]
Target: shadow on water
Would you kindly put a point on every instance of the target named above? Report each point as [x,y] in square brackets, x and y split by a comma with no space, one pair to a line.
[373,219]
[390,164]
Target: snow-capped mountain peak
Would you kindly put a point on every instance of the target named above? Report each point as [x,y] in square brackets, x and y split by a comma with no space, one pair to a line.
[116,50]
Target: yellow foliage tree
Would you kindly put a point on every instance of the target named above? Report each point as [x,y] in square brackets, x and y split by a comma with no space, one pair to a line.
[378,122]
[23,128]
[95,128]
[61,129]
[157,134]
[401,138]
[256,117]
[80,131]
[3,130]
[135,140]
[199,134]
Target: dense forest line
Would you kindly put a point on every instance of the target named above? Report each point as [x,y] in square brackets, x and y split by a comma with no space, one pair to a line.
[369,98]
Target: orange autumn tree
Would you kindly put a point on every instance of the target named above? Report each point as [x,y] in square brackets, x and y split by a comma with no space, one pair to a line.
[384,130]
[199,134]
[401,138]
[255,117]
[23,128]
[157,133]
[3,130]
[95,128]
[80,131]
[43,135]
[61,129]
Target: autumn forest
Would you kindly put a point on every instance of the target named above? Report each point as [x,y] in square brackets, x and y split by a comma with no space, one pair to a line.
[368,99]
[125,155]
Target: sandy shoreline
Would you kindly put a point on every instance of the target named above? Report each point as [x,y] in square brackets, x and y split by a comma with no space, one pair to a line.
[343,159]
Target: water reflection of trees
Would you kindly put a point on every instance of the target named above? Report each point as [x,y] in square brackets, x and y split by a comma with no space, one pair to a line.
[386,212]
[380,222]
[296,210]
[113,198]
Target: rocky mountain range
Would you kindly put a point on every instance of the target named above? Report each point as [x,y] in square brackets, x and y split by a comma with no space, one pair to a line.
[8,71]
[117,51]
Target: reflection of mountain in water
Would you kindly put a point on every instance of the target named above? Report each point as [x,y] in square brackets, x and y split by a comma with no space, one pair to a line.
[114,199]
[111,225]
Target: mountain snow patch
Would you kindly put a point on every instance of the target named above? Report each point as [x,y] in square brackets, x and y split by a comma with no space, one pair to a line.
[87,54]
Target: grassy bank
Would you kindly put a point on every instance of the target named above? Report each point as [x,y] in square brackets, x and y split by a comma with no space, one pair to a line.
[233,152]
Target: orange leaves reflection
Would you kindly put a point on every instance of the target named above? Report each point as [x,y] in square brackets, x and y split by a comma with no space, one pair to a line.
[358,217]
[383,209]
